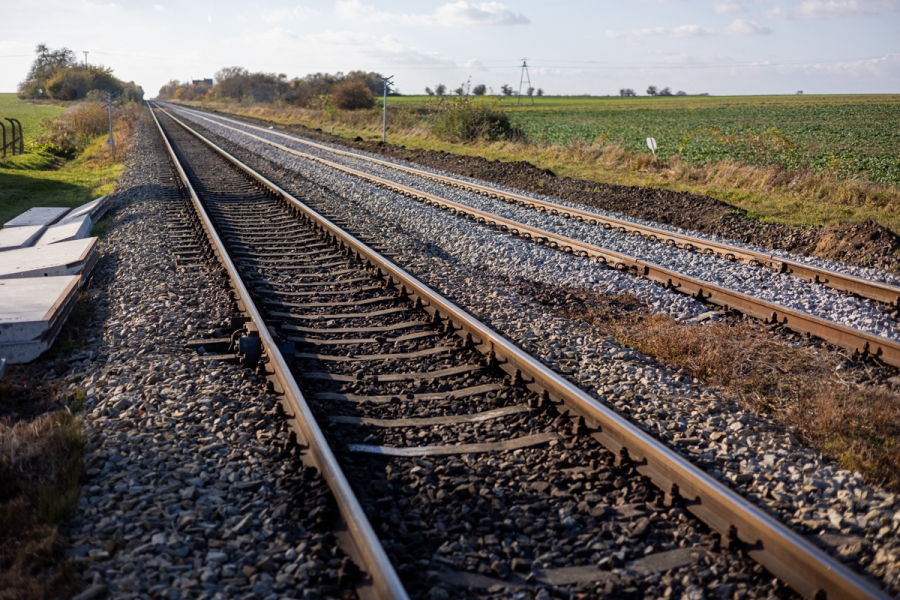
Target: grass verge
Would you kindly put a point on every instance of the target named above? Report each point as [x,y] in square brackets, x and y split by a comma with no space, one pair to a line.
[40,466]
[41,179]
[810,391]
[771,193]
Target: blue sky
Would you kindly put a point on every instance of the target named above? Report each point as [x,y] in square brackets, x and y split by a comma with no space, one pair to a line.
[572,46]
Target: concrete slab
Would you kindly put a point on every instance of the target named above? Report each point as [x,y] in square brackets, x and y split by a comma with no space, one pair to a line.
[30,307]
[76,229]
[37,216]
[52,260]
[14,238]
[33,306]
[94,209]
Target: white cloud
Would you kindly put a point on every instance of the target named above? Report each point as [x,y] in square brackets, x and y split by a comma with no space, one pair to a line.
[744,27]
[159,7]
[475,65]
[453,14]
[463,14]
[280,15]
[679,31]
[817,9]
[728,7]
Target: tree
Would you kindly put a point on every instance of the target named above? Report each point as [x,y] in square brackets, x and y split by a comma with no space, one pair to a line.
[440,89]
[665,92]
[680,93]
[479,89]
[627,92]
[429,91]
[506,90]
[459,91]
[352,94]
[530,91]
[651,91]
[540,92]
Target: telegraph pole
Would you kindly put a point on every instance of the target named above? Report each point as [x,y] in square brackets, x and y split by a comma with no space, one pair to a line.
[85,57]
[387,83]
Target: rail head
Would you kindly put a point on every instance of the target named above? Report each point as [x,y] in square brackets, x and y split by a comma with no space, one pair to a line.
[384,578]
[799,563]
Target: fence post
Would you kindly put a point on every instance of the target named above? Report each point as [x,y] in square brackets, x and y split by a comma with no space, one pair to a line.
[4,138]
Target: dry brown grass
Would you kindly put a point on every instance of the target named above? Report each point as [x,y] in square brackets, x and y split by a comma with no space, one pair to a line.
[855,423]
[40,465]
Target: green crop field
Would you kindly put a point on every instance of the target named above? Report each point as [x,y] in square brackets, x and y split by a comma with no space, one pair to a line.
[851,136]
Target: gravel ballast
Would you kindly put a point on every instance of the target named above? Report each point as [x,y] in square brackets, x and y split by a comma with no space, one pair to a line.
[782,289]
[188,491]
[857,522]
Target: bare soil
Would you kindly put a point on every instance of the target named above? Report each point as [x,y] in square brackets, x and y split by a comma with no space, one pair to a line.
[861,244]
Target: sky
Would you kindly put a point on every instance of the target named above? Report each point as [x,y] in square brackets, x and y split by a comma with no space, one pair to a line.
[720,47]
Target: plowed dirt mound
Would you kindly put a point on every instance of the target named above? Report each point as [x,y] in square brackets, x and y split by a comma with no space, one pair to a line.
[862,244]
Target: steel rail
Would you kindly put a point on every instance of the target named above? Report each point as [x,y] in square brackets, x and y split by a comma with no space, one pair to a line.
[743,525]
[881,292]
[861,342]
[384,578]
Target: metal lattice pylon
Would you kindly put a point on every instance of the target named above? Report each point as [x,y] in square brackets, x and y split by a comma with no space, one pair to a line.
[523,77]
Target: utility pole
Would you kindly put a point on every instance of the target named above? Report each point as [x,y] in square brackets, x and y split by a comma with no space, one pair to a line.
[522,78]
[387,83]
[112,140]
[85,57]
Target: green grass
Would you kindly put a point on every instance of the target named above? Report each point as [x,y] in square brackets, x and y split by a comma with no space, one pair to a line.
[29,114]
[42,180]
[850,136]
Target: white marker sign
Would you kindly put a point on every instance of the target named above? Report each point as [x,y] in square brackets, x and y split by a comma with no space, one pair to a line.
[651,143]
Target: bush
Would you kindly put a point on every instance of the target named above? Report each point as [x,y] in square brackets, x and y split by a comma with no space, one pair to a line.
[74,129]
[465,120]
[351,95]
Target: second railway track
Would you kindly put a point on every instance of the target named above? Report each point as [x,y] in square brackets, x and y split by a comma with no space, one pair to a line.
[802,318]
[480,469]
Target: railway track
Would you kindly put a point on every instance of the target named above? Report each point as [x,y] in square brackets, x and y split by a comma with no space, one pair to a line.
[432,418]
[880,292]
[863,343]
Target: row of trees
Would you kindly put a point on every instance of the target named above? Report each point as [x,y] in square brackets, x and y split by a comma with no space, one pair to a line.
[57,75]
[479,90]
[356,89]
[652,91]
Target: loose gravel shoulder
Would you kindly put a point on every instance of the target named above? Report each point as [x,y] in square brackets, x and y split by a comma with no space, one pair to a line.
[188,491]
[857,522]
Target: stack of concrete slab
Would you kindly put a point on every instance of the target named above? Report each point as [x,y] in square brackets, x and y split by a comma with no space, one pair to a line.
[27,228]
[32,311]
[45,257]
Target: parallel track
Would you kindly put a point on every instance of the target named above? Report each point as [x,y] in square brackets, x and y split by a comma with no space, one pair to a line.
[301,242]
[881,292]
[862,343]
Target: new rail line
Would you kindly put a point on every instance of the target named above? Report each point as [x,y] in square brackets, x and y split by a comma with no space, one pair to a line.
[370,341]
[861,342]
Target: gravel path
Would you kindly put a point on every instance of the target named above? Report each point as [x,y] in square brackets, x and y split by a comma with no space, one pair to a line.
[782,289]
[189,493]
[857,522]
